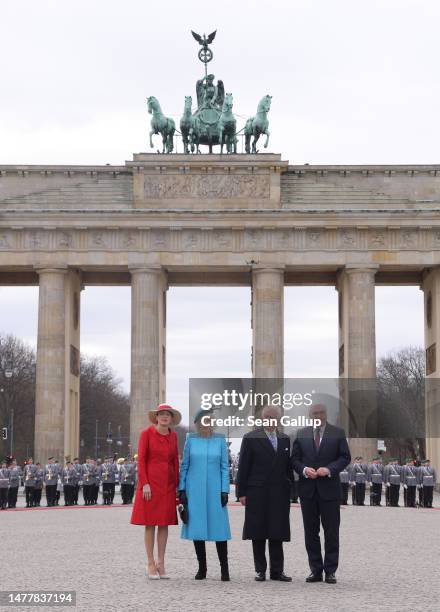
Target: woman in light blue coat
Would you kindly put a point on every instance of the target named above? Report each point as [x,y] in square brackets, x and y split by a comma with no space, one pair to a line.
[203,490]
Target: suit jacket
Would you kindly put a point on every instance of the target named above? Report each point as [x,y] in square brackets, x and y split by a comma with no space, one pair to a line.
[259,465]
[333,453]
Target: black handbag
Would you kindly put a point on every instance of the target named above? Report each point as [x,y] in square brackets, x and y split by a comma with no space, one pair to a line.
[183,513]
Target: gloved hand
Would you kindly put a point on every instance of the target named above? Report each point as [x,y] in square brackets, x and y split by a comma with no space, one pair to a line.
[183,498]
[224,498]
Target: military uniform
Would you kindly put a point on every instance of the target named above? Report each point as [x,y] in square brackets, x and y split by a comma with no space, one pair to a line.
[69,483]
[127,478]
[344,477]
[29,483]
[38,489]
[410,480]
[50,480]
[427,481]
[358,479]
[14,483]
[107,475]
[392,478]
[90,476]
[375,478]
[78,468]
[59,487]
[4,487]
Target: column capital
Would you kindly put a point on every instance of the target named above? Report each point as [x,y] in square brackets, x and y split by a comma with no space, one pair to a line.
[353,268]
[259,268]
[41,269]
[151,269]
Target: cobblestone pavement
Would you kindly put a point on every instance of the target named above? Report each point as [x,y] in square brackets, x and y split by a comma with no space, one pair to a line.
[390,561]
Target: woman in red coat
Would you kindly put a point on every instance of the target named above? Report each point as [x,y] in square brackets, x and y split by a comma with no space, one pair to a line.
[158,477]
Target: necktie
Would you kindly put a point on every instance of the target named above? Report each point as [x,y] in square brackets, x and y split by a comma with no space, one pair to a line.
[317,438]
[273,439]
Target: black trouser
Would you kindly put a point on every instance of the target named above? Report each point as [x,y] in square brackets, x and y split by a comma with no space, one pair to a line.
[359,493]
[276,556]
[127,493]
[88,491]
[294,492]
[375,493]
[51,491]
[107,492]
[69,492]
[344,498]
[427,496]
[3,498]
[95,494]
[393,495]
[12,497]
[37,496]
[29,496]
[75,494]
[57,497]
[222,553]
[316,510]
[409,495]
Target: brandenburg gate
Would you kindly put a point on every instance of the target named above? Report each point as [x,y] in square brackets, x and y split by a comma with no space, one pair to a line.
[178,219]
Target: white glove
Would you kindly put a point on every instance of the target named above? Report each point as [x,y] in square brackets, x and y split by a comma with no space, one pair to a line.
[405,486]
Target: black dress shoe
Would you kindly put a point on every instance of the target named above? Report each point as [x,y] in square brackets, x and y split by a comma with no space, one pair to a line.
[260,577]
[281,577]
[330,578]
[314,577]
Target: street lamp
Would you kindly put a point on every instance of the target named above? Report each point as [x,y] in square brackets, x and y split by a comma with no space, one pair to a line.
[8,374]
[109,438]
[119,440]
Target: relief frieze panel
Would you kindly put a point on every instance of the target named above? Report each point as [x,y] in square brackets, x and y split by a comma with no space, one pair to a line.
[215,187]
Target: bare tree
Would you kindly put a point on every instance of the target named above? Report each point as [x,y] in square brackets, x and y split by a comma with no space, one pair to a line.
[401,406]
[17,395]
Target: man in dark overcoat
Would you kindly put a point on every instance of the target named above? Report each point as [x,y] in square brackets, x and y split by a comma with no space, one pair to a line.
[263,487]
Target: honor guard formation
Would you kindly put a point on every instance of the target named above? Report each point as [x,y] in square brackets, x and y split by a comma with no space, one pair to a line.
[416,481]
[55,479]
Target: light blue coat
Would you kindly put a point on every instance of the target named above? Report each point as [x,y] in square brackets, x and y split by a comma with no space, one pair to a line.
[204,474]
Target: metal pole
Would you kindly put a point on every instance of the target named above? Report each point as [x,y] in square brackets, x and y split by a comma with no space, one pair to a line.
[96,439]
[11,428]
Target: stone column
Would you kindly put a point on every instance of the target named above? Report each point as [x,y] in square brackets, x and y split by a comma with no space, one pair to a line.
[148,359]
[357,349]
[57,374]
[268,327]
[431,289]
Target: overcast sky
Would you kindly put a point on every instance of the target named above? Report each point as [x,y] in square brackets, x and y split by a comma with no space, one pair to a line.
[352,82]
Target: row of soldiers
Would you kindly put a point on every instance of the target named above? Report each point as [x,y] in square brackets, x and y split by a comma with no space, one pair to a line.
[413,478]
[69,479]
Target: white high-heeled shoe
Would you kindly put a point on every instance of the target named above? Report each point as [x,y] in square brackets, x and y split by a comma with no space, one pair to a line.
[162,576]
[154,576]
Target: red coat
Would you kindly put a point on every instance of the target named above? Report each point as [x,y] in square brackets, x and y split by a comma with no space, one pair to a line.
[158,466]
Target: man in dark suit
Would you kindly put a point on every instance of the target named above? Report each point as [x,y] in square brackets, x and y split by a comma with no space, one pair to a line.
[263,487]
[319,454]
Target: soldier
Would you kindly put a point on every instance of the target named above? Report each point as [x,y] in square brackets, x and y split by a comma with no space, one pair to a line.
[358,478]
[427,482]
[107,475]
[127,478]
[50,481]
[375,478]
[392,478]
[14,483]
[69,483]
[4,485]
[59,487]
[78,468]
[410,480]
[29,482]
[344,477]
[38,489]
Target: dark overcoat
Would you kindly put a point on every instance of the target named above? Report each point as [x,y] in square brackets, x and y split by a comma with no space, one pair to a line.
[264,479]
